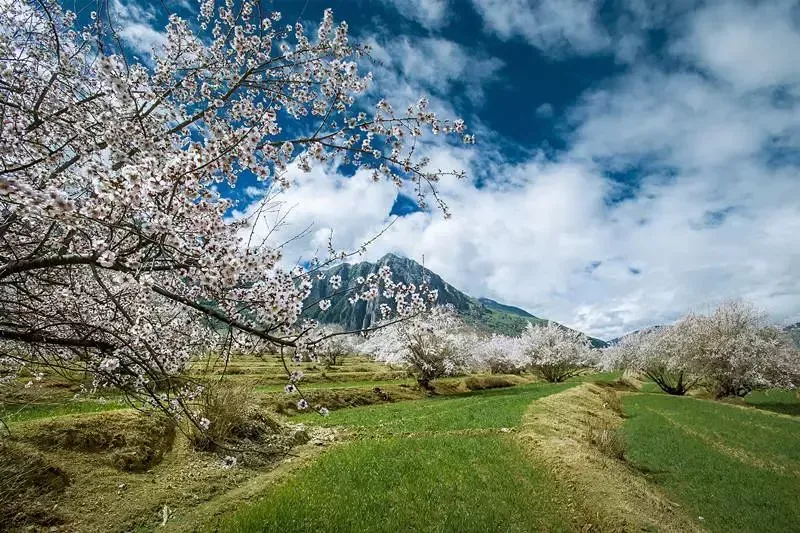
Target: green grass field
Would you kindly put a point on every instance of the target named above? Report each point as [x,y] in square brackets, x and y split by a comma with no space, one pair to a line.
[498,408]
[456,471]
[738,468]
[31,411]
[451,462]
[433,483]
[779,401]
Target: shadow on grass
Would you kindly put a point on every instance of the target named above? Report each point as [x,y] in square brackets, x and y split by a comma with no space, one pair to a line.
[782,408]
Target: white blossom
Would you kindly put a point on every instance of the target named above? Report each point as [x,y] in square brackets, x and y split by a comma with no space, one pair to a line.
[115,237]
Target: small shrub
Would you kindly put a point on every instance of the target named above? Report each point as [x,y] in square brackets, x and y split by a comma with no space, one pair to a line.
[234,419]
[607,438]
[611,400]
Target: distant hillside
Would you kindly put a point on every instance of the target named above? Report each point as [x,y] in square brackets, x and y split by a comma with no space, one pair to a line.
[483,313]
[794,333]
[638,331]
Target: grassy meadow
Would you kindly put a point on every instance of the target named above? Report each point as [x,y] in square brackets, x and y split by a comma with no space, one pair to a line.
[477,455]
[445,464]
[737,468]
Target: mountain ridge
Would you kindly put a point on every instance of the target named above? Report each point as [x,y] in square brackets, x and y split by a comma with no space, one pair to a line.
[482,313]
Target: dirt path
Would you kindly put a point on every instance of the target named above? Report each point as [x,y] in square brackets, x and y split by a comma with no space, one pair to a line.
[609,495]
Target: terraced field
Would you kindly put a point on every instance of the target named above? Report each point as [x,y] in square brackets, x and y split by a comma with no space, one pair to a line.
[529,456]
[443,464]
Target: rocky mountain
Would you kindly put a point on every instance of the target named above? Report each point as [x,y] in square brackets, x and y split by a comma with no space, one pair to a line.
[649,329]
[482,313]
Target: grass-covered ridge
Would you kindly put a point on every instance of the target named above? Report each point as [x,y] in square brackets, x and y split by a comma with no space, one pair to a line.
[439,464]
[491,409]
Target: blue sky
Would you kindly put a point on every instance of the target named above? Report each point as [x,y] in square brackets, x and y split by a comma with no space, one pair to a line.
[636,159]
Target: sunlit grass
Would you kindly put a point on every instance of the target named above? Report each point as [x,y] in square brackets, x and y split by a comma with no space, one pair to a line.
[440,481]
[737,468]
[432,483]
[779,401]
[31,411]
[497,408]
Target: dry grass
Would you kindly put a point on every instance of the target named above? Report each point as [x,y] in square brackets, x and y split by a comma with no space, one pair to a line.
[611,400]
[492,382]
[29,485]
[611,495]
[333,399]
[128,440]
[607,438]
[101,497]
[239,427]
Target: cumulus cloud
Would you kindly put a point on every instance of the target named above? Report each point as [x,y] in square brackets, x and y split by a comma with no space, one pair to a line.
[134,25]
[432,65]
[432,14]
[708,209]
[556,27]
[749,46]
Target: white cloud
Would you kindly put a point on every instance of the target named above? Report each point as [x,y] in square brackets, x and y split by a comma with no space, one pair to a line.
[554,26]
[750,46]
[134,25]
[432,14]
[142,38]
[544,111]
[714,216]
[432,65]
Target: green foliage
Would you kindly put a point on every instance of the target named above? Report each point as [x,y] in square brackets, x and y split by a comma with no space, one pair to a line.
[737,468]
[415,484]
[497,408]
[435,480]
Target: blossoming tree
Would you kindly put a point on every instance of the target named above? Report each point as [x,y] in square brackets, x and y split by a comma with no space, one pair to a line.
[731,351]
[555,353]
[500,354]
[665,355]
[740,351]
[432,345]
[336,345]
[118,256]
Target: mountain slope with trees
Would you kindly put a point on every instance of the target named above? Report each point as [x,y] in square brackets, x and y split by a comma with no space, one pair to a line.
[482,313]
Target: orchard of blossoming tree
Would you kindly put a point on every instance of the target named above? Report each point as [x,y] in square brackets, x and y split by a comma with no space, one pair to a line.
[174,355]
[117,256]
[732,351]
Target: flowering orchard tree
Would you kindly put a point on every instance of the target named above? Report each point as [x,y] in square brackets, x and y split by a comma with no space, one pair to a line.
[667,355]
[432,345]
[117,255]
[740,351]
[555,353]
[732,351]
[501,354]
[336,345]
